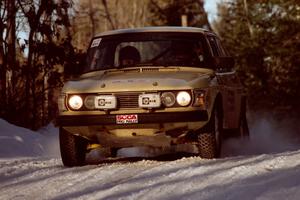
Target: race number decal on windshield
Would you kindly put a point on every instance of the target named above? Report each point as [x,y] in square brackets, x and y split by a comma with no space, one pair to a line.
[96,42]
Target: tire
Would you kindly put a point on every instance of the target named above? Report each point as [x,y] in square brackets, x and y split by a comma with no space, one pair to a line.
[209,143]
[114,152]
[72,148]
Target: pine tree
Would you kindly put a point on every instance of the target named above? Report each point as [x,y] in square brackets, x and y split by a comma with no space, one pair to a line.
[264,38]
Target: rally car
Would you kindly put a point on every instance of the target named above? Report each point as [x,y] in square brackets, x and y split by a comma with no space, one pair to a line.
[154,86]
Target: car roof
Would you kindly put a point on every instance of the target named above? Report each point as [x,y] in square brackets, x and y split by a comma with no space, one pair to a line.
[162,29]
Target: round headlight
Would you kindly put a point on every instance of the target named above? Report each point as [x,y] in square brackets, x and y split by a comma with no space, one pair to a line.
[89,102]
[75,102]
[183,98]
[168,99]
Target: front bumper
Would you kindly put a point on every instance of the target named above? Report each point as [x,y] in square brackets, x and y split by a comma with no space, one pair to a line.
[143,118]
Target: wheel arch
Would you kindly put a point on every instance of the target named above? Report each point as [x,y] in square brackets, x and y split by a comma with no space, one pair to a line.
[218,104]
[218,101]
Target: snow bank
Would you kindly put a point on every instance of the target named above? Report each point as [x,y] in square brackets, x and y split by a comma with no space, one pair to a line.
[20,142]
[268,135]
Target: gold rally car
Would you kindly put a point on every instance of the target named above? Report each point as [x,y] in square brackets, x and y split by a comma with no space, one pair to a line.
[154,86]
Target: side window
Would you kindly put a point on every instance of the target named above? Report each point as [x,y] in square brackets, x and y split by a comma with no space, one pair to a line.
[222,51]
[213,46]
[97,57]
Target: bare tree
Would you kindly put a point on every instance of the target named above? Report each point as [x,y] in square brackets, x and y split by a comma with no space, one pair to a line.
[108,15]
[7,50]
[3,21]
[11,43]
[248,18]
[92,18]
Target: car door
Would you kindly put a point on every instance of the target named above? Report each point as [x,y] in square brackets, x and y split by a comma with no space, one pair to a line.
[231,87]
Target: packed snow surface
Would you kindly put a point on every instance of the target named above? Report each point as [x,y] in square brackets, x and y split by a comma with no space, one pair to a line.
[255,177]
[30,168]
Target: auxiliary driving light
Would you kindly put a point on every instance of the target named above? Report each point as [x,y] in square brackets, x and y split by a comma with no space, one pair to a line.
[149,100]
[106,102]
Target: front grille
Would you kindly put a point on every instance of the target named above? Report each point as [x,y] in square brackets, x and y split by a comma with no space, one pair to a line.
[150,69]
[128,100]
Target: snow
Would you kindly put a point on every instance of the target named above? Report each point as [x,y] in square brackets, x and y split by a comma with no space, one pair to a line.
[255,177]
[266,167]
[21,142]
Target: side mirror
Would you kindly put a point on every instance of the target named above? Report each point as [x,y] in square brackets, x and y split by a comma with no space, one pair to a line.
[223,63]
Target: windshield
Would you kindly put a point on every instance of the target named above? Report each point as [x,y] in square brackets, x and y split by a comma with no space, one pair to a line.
[146,49]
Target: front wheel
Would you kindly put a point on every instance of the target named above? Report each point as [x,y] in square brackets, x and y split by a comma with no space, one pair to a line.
[114,152]
[209,143]
[72,148]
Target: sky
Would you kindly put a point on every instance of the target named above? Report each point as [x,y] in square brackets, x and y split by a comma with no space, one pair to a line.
[211,8]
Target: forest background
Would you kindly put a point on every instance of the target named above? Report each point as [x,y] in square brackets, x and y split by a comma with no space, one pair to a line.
[40,38]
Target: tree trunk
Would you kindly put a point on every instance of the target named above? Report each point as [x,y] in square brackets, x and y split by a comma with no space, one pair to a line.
[92,17]
[29,76]
[2,67]
[248,19]
[11,50]
[2,75]
[108,15]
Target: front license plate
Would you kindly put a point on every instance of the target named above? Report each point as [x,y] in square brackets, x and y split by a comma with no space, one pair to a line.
[127,119]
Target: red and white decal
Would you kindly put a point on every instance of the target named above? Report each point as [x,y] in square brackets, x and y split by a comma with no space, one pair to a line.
[126,119]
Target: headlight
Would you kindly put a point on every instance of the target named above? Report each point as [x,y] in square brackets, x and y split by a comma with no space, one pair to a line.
[183,98]
[89,102]
[75,102]
[168,99]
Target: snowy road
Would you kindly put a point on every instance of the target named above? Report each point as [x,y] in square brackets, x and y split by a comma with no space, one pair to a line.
[273,176]
[30,168]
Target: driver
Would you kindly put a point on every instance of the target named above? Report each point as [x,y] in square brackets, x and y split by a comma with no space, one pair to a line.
[129,55]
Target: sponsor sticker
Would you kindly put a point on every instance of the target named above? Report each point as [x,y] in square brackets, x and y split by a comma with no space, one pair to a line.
[96,42]
[126,119]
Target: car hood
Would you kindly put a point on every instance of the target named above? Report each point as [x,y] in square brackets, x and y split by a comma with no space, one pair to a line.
[140,79]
